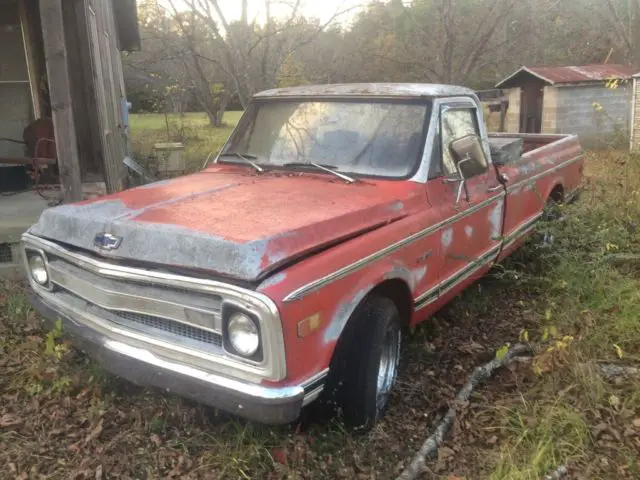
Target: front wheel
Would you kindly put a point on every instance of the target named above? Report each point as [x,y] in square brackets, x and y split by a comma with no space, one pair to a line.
[367,362]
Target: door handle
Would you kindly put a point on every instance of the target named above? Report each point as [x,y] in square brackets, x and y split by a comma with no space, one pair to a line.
[495,189]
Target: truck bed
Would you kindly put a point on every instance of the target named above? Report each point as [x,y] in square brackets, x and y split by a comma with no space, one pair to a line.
[529,143]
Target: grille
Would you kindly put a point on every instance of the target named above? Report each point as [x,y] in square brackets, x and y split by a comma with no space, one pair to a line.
[6,253]
[170,326]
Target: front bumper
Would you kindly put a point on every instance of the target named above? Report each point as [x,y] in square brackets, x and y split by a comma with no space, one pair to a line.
[272,405]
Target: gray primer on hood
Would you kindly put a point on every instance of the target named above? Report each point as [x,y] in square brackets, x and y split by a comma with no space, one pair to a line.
[78,225]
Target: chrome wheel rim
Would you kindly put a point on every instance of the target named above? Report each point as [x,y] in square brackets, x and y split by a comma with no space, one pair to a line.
[388,366]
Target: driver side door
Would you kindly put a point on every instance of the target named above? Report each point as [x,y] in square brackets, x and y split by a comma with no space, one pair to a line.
[462,185]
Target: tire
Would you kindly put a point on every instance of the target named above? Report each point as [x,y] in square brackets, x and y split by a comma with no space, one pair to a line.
[366,362]
[551,210]
[550,213]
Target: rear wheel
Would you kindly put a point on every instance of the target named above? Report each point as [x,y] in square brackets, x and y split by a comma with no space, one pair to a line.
[366,363]
[551,213]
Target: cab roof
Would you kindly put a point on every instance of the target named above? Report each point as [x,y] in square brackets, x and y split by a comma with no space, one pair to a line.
[400,90]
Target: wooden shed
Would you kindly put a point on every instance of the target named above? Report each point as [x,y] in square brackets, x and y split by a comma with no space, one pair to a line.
[63,110]
[590,100]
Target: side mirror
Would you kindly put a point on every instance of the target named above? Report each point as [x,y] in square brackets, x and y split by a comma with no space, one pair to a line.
[470,147]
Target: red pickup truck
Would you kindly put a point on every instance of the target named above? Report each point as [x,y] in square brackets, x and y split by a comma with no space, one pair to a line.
[335,218]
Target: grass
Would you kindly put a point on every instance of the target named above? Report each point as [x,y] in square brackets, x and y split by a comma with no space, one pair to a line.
[192,129]
[62,416]
[594,306]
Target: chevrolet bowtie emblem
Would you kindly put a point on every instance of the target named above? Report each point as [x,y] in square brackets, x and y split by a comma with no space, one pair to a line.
[106,241]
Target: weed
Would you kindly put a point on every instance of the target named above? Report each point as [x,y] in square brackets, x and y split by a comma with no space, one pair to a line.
[76,421]
[591,313]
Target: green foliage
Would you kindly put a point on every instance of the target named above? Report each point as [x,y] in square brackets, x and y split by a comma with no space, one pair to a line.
[52,337]
[591,313]
[18,306]
[291,73]
[545,436]
[192,129]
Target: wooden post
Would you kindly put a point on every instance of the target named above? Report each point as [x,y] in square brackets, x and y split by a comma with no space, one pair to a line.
[55,51]
[503,113]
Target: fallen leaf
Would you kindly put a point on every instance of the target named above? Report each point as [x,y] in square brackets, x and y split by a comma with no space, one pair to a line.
[636,422]
[599,429]
[279,455]
[95,433]
[9,420]
[445,452]
[156,440]
[619,351]
[471,348]
[99,472]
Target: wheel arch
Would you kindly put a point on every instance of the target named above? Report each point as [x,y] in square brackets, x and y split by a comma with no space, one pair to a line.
[556,193]
[396,289]
[399,292]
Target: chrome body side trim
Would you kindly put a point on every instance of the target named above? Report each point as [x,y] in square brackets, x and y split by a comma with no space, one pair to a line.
[461,275]
[357,265]
[312,395]
[523,229]
[549,171]
[273,366]
[573,195]
[346,270]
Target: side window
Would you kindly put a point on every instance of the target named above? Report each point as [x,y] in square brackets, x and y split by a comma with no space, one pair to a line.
[455,125]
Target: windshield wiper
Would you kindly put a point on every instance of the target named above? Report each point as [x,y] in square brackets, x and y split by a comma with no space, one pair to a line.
[324,167]
[246,157]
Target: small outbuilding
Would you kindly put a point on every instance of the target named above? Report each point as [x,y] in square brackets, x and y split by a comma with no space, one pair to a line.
[63,109]
[593,101]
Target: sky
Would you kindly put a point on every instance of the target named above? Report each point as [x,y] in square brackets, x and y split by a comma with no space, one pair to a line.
[321,9]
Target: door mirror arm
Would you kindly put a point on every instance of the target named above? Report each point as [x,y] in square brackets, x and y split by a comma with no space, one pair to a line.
[460,180]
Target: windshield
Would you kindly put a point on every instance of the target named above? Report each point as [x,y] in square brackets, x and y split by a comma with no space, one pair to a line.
[370,137]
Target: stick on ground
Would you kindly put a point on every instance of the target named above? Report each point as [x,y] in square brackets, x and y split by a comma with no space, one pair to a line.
[430,447]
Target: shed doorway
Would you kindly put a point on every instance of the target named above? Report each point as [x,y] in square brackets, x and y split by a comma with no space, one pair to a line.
[16,108]
[531,103]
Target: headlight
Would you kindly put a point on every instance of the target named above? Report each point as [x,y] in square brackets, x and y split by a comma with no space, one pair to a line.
[38,269]
[243,333]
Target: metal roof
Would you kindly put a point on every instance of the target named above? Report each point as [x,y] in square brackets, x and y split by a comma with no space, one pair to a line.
[368,90]
[570,74]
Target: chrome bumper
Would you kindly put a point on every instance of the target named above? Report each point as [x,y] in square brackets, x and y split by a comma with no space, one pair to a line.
[272,405]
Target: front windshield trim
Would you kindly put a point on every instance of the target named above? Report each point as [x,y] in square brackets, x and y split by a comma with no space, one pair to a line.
[257,102]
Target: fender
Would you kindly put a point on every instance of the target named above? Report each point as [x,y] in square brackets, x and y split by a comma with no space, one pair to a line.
[344,309]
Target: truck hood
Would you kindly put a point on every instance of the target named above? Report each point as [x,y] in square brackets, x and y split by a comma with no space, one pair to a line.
[228,221]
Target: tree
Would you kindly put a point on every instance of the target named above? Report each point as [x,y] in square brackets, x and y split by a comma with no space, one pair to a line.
[468,42]
[624,19]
